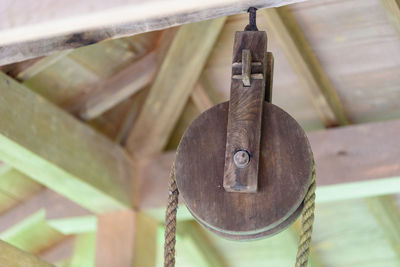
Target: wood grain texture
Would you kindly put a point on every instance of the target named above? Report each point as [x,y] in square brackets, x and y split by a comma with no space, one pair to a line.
[55,149]
[304,62]
[13,257]
[172,87]
[285,173]
[245,112]
[70,24]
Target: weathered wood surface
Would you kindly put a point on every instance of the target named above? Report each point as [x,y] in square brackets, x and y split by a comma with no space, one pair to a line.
[351,162]
[55,149]
[359,50]
[172,87]
[304,62]
[245,111]
[71,24]
[13,257]
[284,175]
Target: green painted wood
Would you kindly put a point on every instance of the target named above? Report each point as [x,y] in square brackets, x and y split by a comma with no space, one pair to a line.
[55,149]
[387,215]
[84,251]
[74,225]
[13,257]
[32,234]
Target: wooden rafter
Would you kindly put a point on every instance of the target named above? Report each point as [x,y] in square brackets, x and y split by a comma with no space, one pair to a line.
[61,152]
[387,215]
[172,87]
[303,61]
[392,8]
[94,21]
[13,257]
[126,239]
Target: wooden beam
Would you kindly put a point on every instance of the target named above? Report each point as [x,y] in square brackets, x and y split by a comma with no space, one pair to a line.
[117,88]
[55,149]
[352,162]
[32,234]
[15,187]
[32,31]
[177,76]
[13,257]
[298,52]
[387,215]
[126,239]
[392,9]
[55,206]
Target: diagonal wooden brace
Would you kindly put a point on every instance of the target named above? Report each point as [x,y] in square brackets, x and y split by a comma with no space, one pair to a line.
[251,85]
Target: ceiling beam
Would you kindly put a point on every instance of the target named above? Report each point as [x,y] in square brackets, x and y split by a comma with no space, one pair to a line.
[11,256]
[53,148]
[172,87]
[33,234]
[126,239]
[32,31]
[392,9]
[304,62]
[351,162]
[117,88]
[387,215]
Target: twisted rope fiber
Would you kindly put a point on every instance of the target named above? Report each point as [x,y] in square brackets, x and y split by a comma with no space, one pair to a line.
[306,221]
[170,221]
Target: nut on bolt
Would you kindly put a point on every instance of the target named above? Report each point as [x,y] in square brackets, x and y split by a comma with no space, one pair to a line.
[241,158]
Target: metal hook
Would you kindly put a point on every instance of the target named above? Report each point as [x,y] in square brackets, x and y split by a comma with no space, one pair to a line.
[252,20]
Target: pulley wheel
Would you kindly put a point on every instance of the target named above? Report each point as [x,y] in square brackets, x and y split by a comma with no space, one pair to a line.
[285,171]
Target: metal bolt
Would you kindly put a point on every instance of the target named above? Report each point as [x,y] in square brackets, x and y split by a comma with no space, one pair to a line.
[241,158]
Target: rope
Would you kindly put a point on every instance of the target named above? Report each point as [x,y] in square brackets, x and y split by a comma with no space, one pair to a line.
[170,221]
[307,221]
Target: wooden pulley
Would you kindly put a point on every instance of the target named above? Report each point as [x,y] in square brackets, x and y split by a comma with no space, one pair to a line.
[244,167]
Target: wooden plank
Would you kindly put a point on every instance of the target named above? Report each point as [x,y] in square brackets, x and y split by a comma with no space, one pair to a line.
[126,239]
[387,215]
[117,88]
[172,87]
[56,207]
[32,234]
[303,61]
[13,257]
[392,8]
[55,149]
[15,187]
[243,133]
[352,162]
[78,23]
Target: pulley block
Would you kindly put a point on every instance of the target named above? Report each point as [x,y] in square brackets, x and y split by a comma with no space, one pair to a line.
[243,167]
